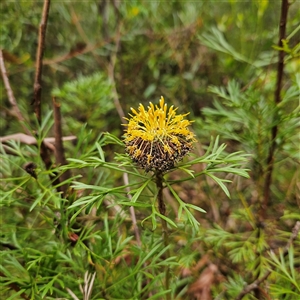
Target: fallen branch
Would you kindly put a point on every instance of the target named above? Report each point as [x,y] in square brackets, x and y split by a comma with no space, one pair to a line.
[30,140]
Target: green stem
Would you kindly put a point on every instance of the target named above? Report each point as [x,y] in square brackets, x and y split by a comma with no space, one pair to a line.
[162,210]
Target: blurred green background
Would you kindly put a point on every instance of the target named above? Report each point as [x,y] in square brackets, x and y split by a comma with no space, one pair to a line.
[214,59]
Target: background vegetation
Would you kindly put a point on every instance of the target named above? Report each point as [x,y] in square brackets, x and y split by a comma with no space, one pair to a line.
[68,227]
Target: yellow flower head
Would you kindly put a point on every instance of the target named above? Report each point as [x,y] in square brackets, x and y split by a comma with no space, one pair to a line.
[157,138]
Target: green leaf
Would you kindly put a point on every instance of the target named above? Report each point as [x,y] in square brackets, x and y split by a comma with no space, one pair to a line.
[166,219]
[183,206]
[135,204]
[147,274]
[86,200]
[189,172]
[150,90]
[191,218]
[100,151]
[139,190]
[16,295]
[159,295]
[179,212]
[195,207]
[152,217]
[220,183]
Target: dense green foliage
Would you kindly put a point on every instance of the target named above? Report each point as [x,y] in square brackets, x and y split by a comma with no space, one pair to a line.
[217,61]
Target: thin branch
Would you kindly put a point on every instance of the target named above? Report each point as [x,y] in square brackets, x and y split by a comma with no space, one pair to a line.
[81,32]
[254,285]
[75,53]
[59,147]
[39,61]
[10,94]
[111,73]
[277,99]
[44,153]
[9,91]
[75,21]
[132,212]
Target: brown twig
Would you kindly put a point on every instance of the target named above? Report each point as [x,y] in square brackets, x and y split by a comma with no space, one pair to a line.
[59,147]
[277,99]
[44,153]
[81,32]
[39,61]
[10,94]
[111,73]
[161,203]
[255,285]
[59,153]
[78,52]
[9,91]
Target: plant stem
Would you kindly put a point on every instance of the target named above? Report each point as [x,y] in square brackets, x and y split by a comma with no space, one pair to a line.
[277,99]
[162,211]
[59,147]
[39,61]
[44,153]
